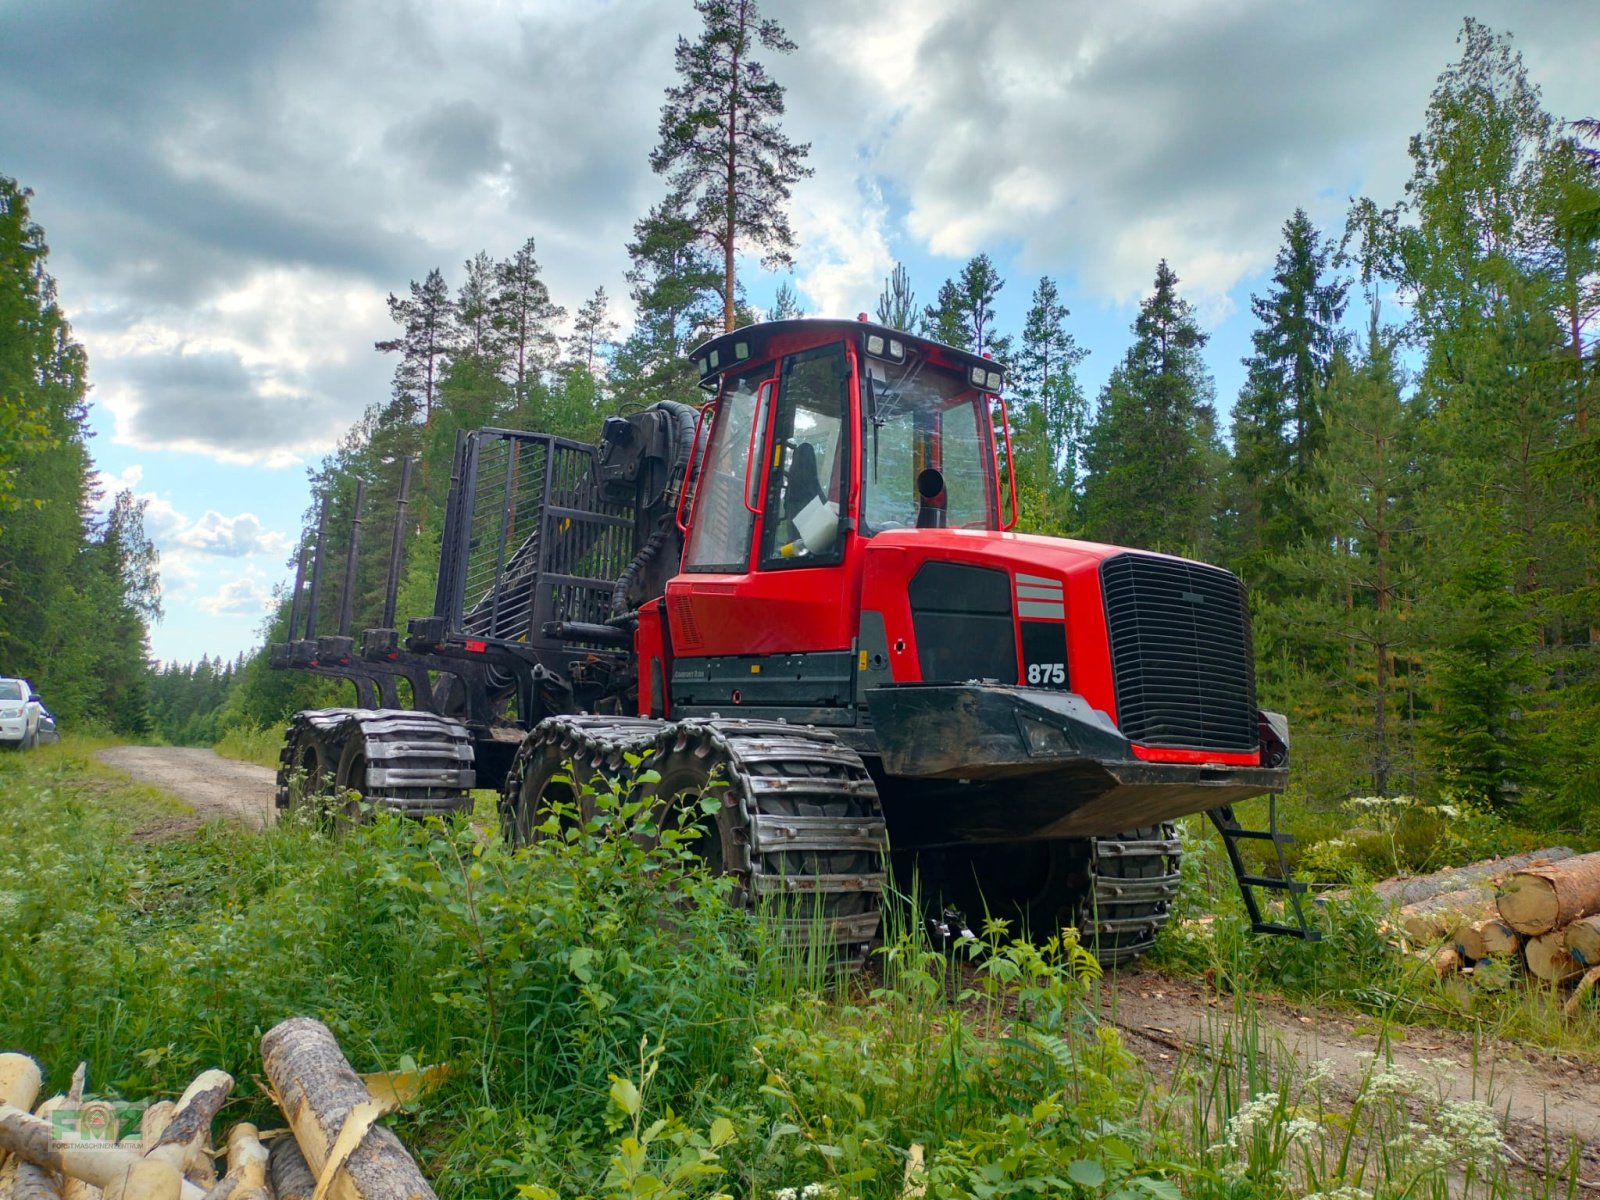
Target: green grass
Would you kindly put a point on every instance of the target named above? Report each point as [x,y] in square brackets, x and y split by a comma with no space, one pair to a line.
[259,746]
[614,1028]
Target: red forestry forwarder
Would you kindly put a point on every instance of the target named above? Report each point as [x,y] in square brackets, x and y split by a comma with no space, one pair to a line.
[809,590]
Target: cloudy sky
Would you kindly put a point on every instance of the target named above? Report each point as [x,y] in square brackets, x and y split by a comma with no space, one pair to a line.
[231,188]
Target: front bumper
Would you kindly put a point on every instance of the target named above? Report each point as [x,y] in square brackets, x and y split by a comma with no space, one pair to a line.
[13,730]
[1055,766]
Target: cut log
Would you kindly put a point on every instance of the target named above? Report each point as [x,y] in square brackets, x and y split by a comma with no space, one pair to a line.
[247,1167]
[186,1140]
[153,1121]
[34,1141]
[32,1181]
[1536,900]
[148,1179]
[1497,938]
[19,1081]
[1446,961]
[1408,889]
[291,1177]
[1470,942]
[1583,940]
[1441,918]
[319,1092]
[1548,959]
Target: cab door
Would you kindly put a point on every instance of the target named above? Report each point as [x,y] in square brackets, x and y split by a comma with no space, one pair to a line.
[767,568]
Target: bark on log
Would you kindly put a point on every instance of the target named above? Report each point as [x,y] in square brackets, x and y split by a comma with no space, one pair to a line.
[1499,939]
[1409,889]
[291,1177]
[1583,940]
[1538,899]
[34,1141]
[32,1181]
[1548,959]
[318,1090]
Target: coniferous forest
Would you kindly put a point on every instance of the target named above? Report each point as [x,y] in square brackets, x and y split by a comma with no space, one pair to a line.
[1407,480]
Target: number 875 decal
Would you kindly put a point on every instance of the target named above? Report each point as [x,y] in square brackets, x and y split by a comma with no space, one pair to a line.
[1045,674]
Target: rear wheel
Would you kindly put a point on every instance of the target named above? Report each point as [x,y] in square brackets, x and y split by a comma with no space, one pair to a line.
[309,760]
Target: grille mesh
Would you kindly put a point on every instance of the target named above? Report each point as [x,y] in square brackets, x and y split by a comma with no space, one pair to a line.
[1180,654]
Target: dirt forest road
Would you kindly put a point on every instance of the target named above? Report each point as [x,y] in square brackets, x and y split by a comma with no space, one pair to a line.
[211,785]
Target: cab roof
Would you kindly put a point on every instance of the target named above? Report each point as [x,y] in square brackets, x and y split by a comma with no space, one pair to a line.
[767,339]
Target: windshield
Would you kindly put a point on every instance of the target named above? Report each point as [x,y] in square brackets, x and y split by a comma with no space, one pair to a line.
[927,461]
[10,689]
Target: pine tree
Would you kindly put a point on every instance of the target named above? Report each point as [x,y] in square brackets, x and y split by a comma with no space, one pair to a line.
[591,333]
[524,316]
[963,315]
[721,147]
[1151,454]
[475,334]
[897,306]
[785,304]
[674,286]
[426,319]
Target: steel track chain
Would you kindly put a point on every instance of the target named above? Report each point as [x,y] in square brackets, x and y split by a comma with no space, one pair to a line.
[411,763]
[1135,880]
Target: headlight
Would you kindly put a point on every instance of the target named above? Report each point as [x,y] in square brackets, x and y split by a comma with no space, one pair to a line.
[10,712]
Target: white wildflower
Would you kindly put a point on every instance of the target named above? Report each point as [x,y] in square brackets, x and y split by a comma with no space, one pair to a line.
[1395,1080]
[1472,1129]
[1322,1071]
[1342,1192]
[1300,1131]
[1243,1124]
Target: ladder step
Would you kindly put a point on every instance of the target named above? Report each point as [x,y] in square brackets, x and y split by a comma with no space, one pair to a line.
[1268,882]
[1305,935]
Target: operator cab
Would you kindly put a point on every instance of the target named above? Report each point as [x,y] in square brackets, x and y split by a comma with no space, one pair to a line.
[820,429]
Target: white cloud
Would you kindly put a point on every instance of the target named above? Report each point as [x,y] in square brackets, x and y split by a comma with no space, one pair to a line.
[237,597]
[231,537]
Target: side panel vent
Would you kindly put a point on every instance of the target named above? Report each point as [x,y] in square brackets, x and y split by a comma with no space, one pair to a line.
[963,622]
[683,619]
[1180,654]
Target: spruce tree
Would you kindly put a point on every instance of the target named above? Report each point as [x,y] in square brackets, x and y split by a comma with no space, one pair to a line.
[721,146]
[1054,416]
[964,315]
[1151,454]
[785,304]
[1277,428]
[591,332]
[674,285]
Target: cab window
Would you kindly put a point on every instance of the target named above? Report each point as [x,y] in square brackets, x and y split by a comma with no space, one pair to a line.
[721,521]
[808,473]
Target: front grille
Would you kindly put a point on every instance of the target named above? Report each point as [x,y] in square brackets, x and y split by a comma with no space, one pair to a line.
[1181,655]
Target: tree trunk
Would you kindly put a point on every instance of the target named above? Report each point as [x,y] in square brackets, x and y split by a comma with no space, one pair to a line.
[1583,941]
[1548,958]
[33,1182]
[33,1140]
[149,1179]
[246,1178]
[291,1177]
[1538,899]
[318,1092]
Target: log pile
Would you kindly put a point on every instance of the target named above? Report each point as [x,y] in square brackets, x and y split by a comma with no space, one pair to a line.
[70,1148]
[1541,911]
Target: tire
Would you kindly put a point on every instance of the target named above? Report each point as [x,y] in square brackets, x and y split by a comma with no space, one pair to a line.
[308,763]
[351,776]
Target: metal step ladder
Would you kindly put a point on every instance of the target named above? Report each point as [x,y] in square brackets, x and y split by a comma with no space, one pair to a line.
[1232,834]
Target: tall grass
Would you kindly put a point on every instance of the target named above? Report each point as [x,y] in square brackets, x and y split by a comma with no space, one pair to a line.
[614,1028]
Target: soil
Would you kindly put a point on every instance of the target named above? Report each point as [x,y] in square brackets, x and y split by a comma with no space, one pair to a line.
[1543,1100]
[212,786]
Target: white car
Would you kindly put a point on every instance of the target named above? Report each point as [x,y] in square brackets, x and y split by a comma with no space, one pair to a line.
[19,714]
